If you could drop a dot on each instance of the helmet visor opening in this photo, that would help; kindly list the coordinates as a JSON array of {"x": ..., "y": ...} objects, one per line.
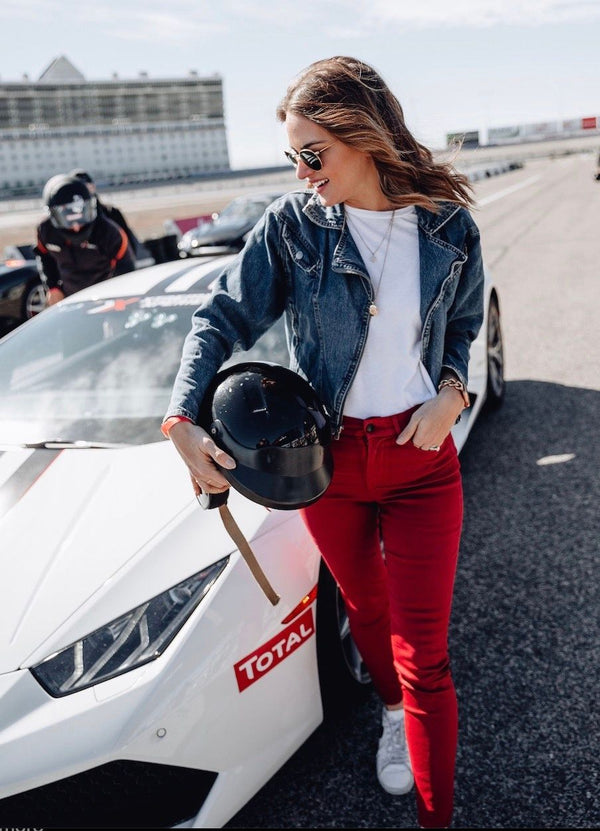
[{"x": 76, "y": 213}]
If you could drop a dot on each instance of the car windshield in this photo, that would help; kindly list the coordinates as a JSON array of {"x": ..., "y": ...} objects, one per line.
[
  {"x": 249, "y": 209},
  {"x": 101, "y": 371}
]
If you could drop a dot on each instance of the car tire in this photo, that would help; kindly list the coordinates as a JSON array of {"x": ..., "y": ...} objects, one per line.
[
  {"x": 34, "y": 300},
  {"x": 496, "y": 385},
  {"x": 343, "y": 676}
]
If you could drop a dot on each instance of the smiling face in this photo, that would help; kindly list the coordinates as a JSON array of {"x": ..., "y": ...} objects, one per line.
[{"x": 347, "y": 175}]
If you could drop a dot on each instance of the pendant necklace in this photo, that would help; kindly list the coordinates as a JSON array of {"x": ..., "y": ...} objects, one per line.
[
  {"x": 373, "y": 310},
  {"x": 373, "y": 251}
]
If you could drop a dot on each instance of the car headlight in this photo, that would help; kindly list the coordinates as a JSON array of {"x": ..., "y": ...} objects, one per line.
[{"x": 127, "y": 642}]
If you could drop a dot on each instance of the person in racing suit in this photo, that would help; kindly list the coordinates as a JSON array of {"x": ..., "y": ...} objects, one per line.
[{"x": 76, "y": 246}]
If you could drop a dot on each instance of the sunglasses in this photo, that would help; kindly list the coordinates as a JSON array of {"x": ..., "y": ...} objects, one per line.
[{"x": 311, "y": 158}]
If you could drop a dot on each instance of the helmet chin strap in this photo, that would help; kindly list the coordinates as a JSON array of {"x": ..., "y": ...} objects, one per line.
[{"x": 219, "y": 500}]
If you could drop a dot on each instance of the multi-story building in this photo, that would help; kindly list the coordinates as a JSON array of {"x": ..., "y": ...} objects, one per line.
[{"x": 122, "y": 131}]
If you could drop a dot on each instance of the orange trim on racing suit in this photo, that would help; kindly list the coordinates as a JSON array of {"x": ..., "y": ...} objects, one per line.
[{"x": 121, "y": 252}]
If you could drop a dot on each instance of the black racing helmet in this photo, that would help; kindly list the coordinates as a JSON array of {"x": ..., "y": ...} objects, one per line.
[
  {"x": 270, "y": 420},
  {"x": 80, "y": 173},
  {"x": 69, "y": 202}
]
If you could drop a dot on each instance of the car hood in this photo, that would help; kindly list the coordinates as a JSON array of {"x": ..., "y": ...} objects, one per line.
[{"x": 88, "y": 534}]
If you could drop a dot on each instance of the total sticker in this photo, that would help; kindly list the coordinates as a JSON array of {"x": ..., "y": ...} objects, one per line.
[{"x": 251, "y": 668}]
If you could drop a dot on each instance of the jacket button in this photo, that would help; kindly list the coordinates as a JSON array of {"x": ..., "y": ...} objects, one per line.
[{"x": 299, "y": 255}]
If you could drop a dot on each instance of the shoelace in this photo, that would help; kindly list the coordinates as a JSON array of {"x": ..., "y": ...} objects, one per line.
[{"x": 392, "y": 745}]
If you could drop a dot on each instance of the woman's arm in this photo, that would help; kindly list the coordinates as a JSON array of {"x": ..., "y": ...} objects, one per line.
[
  {"x": 432, "y": 422},
  {"x": 465, "y": 316},
  {"x": 246, "y": 299}
]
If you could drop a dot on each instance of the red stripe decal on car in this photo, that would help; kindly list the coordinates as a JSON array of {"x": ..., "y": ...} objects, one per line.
[{"x": 273, "y": 652}]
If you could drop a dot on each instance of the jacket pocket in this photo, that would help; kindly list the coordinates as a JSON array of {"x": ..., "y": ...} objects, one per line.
[{"x": 303, "y": 257}]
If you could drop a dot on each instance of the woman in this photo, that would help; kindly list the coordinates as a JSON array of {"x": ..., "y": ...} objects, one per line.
[{"x": 377, "y": 267}]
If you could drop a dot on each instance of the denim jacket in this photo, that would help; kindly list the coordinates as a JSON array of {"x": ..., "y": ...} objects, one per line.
[{"x": 300, "y": 260}]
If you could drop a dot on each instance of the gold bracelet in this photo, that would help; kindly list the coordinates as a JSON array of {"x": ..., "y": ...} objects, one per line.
[{"x": 457, "y": 385}]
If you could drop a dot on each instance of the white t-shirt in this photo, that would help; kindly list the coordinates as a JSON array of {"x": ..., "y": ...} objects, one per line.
[{"x": 391, "y": 377}]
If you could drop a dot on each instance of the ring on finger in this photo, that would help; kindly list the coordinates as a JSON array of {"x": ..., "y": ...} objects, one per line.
[{"x": 435, "y": 447}]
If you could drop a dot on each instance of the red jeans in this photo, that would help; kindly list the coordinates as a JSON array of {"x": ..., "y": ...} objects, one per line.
[{"x": 408, "y": 502}]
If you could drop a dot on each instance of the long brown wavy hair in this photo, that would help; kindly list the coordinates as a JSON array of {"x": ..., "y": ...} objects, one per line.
[{"x": 350, "y": 99}]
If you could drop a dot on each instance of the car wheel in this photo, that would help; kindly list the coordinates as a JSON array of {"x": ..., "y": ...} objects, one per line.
[
  {"x": 343, "y": 675},
  {"x": 495, "y": 357},
  {"x": 34, "y": 300}
]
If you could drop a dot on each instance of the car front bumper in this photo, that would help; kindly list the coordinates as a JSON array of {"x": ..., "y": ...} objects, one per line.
[{"x": 183, "y": 712}]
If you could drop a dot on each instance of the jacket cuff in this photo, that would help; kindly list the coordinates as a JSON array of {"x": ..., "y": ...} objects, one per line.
[{"x": 462, "y": 376}]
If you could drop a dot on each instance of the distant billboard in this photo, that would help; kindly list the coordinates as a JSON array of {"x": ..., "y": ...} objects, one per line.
[
  {"x": 468, "y": 138},
  {"x": 497, "y": 135},
  {"x": 580, "y": 126},
  {"x": 542, "y": 130}
]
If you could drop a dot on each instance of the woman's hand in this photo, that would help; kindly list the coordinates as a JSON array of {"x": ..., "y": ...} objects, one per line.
[
  {"x": 431, "y": 423},
  {"x": 54, "y": 296},
  {"x": 200, "y": 453}
]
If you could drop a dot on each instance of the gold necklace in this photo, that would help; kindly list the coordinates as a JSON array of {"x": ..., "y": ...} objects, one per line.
[
  {"x": 372, "y": 251},
  {"x": 373, "y": 310}
]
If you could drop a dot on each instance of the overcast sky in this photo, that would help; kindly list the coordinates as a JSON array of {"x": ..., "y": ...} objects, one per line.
[{"x": 455, "y": 66}]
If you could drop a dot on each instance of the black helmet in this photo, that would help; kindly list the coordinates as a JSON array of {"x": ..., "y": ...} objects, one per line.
[
  {"x": 271, "y": 422},
  {"x": 69, "y": 202},
  {"x": 79, "y": 173}
]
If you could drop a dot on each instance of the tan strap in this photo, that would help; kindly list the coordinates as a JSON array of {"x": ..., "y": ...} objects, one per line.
[{"x": 240, "y": 540}]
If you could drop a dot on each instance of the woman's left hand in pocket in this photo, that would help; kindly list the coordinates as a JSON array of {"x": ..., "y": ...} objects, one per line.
[{"x": 430, "y": 424}]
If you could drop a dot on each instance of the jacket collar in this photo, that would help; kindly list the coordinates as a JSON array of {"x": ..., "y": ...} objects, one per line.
[{"x": 333, "y": 217}]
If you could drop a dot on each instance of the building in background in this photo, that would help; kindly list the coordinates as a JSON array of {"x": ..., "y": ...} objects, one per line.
[{"x": 124, "y": 131}]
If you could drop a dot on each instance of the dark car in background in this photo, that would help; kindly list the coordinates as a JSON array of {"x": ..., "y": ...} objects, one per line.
[
  {"x": 22, "y": 293},
  {"x": 227, "y": 231}
]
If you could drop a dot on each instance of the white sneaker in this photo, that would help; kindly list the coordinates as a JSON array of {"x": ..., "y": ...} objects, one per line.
[{"x": 393, "y": 763}]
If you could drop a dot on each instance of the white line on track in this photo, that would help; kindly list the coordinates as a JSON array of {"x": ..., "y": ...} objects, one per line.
[{"x": 506, "y": 191}]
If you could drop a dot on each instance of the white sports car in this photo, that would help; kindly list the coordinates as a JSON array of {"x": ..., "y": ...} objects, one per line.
[{"x": 145, "y": 679}]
